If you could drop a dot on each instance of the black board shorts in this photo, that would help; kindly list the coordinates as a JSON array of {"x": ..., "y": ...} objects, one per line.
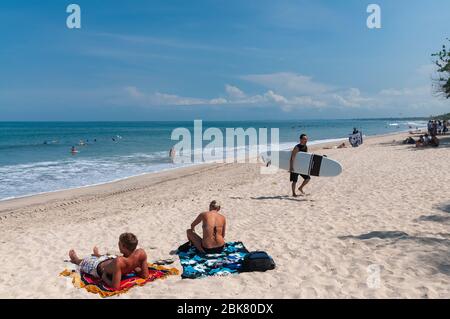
[
  {"x": 216, "y": 250},
  {"x": 294, "y": 177}
]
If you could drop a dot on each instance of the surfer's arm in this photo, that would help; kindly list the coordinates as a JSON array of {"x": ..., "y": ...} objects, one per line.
[{"x": 291, "y": 162}]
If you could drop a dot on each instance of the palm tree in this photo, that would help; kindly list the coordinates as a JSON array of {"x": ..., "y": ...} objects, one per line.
[{"x": 442, "y": 61}]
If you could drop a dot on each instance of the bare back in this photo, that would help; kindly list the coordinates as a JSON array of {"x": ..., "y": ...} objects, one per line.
[
  {"x": 137, "y": 260},
  {"x": 213, "y": 229}
]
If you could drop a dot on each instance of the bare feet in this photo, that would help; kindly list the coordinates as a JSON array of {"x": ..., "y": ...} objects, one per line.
[
  {"x": 73, "y": 257},
  {"x": 303, "y": 193}
]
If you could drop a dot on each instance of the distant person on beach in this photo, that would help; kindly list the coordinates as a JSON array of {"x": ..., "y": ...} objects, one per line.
[
  {"x": 343, "y": 145},
  {"x": 409, "y": 140},
  {"x": 110, "y": 268},
  {"x": 213, "y": 224},
  {"x": 301, "y": 147},
  {"x": 427, "y": 141},
  {"x": 434, "y": 141},
  {"x": 420, "y": 142},
  {"x": 172, "y": 154},
  {"x": 434, "y": 130}
]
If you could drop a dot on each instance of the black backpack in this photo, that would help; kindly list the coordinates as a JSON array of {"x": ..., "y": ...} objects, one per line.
[{"x": 257, "y": 261}]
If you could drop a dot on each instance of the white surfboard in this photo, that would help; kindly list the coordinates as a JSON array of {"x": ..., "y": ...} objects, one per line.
[{"x": 305, "y": 163}]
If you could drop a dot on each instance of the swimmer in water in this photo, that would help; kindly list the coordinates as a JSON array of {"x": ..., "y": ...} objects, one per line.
[
  {"x": 74, "y": 150},
  {"x": 172, "y": 153}
]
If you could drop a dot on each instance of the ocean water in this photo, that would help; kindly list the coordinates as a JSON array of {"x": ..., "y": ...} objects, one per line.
[{"x": 35, "y": 157}]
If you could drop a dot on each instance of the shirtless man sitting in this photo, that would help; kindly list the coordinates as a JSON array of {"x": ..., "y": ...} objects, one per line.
[
  {"x": 213, "y": 225},
  {"x": 111, "y": 268}
]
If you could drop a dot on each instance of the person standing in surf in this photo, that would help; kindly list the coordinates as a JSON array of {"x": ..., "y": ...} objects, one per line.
[
  {"x": 172, "y": 154},
  {"x": 301, "y": 147}
]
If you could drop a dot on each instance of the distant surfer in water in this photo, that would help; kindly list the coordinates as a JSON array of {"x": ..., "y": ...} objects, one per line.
[
  {"x": 172, "y": 154},
  {"x": 74, "y": 150},
  {"x": 301, "y": 147}
]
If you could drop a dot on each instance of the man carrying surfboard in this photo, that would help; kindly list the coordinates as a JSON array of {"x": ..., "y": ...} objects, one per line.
[{"x": 301, "y": 147}]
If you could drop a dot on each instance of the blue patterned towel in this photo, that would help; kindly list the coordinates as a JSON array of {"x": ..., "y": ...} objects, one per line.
[{"x": 229, "y": 261}]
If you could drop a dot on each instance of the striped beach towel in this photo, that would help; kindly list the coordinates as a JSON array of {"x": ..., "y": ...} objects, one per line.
[{"x": 97, "y": 286}]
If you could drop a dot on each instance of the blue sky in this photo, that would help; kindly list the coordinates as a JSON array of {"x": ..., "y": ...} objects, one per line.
[{"x": 181, "y": 60}]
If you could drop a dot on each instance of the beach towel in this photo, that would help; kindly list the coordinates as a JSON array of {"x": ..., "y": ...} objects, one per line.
[
  {"x": 356, "y": 139},
  {"x": 229, "y": 261},
  {"x": 97, "y": 286}
]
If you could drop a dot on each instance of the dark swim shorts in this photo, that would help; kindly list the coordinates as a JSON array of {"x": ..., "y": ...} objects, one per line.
[
  {"x": 294, "y": 177},
  {"x": 216, "y": 250}
]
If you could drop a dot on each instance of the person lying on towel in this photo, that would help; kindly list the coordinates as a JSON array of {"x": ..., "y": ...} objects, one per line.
[
  {"x": 110, "y": 268},
  {"x": 213, "y": 225}
]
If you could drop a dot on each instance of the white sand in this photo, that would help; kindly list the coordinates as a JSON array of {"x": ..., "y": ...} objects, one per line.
[{"x": 385, "y": 188}]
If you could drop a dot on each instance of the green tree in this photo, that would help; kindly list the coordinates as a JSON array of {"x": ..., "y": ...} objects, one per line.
[{"x": 442, "y": 61}]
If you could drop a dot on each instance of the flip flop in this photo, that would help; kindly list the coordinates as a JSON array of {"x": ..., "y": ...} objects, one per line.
[{"x": 167, "y": 261}]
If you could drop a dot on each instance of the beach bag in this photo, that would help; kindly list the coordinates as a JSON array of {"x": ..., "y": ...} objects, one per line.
[
  {"x": 185, "y": 247},
  {"x": 257, "y": 261}
]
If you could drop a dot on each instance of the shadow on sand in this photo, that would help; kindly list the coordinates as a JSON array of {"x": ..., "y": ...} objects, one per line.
[
  {"x": 378, "y": 234},
  {"x": 445, "y": 207},
  {"x": 440, "y": 258},
  {"x": 398, "y": 236},
  {"x": 392, "y": 143},
  {"x": 281, "y": 197},
  {"x": 434, "y": 218}
]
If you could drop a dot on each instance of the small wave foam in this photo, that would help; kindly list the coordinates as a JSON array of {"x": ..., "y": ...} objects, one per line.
[{"x": 49, "y": 176}]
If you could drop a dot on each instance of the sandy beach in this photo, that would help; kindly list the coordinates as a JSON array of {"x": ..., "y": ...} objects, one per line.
[{"x": 389, "y": 211}]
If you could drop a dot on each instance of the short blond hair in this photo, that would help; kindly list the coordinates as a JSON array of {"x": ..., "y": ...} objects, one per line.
[{"x": 214, "y": 205}]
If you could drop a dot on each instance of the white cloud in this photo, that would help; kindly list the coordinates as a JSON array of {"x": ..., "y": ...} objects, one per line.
[
  {"x": 134, "y": 92},
  {"x": 288, "y": 83},
  {"x": 237, "y": 98},
  {"x": 302, "y": 92},
  {"x": 352, "y": 98},
  {"x": 423, "y": 90},
  {"x": 308, "y": 101},
  {"x": 172, "y": 99},
  {"x": 219, "y": 100},
  {"x": 273, "y": 97},
  {"x": 420, "y": 97},
  {"x": 158, "y": 99},
  {"x": 234, "y": 92}
]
